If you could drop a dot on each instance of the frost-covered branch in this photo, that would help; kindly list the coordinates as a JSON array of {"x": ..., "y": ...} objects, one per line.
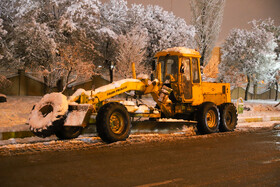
[
  {"x": 132, "y": 48},
  {"x": 207, "y": 17}
]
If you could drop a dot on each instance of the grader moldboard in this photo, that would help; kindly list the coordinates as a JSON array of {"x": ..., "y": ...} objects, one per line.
[{"x": 176, "y": 88}]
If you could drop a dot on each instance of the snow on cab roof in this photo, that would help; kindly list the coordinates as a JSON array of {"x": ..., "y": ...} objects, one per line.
[{"x": 181, "y": 51}]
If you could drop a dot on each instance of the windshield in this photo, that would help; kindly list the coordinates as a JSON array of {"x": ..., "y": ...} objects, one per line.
[{"x": 169, "y": 66}]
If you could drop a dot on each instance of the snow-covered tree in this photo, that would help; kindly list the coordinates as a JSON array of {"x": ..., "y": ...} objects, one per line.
[
  {"x": 49, "y": 27},
  {"x": 105, "y": 50},
  {"x": 35, "y": 42},
  {"x": 85, "y": 15},
  {"x": 114, "y": 16},
  {"x": 270, "y": 26},
  {"x": 165, "y": 30},
  {"x": 113, "y": 22},
  {"x": 41, "y": 33},
  {"x": 3, "y": 32},
  {"x": 74, "y": 64},
  {"x": 7, "y": 34},
  {"x": 131, "y": 48},
  {"x": 207, "y": 17},
  {"x": 250, "y": 54},
  {"x": 35, "y": 45}
]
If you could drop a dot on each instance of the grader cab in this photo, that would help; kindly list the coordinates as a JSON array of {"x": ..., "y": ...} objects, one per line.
[{"x": 176, "y": 88}]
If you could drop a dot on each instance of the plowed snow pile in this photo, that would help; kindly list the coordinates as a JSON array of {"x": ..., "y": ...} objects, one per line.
[{"x": 260, "y": 108}]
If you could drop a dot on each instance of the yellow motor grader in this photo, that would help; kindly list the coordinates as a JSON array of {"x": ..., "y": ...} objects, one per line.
[{"x": 176, "y": 87}]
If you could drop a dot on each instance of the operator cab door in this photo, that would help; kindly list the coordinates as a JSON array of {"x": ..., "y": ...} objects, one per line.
[
  {"x": 195, "y": 71},
  {"x": 190, "y": 76},
  {"x": 186, "y": 77}
]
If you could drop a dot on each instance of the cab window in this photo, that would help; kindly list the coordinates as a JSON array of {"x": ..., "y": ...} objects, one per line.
[
  {"x": 195, "y": 71},
  {"x": 186, "y": 69},
  {"x": 169, "y": 66}
]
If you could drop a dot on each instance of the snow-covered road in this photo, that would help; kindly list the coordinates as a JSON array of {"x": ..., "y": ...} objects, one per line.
[
  {"x": 240, "y": 158},
  {"x": 33, "y": 145}
]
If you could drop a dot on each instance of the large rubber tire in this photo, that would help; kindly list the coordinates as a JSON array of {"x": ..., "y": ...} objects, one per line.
[
  {"x": 68, "y": 132},
  {"x": 208, "y": 118},
  {"x": 113, "y": 122},
  {"x": 48, "y": 115},
  {"x": 228, "y": 120}
]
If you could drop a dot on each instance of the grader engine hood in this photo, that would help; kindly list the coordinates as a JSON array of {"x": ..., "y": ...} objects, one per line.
[{"x": 108, "y": 91}]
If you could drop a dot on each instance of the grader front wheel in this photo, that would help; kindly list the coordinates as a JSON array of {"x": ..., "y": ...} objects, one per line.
[
  {"x": 48, "y": 115},
  {"x": 68, "y": 132},
  {"x": 113, "y": 122},
  {"x": 208, "y": 118}
]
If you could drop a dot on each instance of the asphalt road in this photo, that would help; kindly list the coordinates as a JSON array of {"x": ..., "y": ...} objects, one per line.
[{"x": 236, "y": 159}]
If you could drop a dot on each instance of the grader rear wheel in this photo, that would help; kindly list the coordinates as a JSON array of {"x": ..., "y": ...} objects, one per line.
[
  {"x": 228, "y": 117},
  {"x": 113, "y": 122},
  {"x": 208, "y": 118}
]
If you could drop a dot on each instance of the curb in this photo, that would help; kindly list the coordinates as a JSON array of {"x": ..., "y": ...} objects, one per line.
[{"x": 258, "y": 119}]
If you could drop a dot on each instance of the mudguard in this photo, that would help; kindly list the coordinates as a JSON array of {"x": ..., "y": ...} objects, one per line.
[{"x": 78, "y": 115}]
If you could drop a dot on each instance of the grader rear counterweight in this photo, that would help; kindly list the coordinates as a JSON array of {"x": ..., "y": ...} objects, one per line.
[{"x": 177, "y": 90}]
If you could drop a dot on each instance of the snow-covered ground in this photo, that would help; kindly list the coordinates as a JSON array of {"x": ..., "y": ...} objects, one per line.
[
  {"x": 260, "y": 108},
  {"x": 16, "y": 110}
]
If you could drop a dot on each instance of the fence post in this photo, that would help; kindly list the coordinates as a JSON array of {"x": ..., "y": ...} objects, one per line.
[{"x": 21, "y": 82}]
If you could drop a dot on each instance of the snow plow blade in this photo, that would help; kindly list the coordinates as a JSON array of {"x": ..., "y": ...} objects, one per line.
[{"x": 78, "y": 115}]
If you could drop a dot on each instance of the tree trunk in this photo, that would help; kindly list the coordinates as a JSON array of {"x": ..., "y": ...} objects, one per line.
[
  {"x": 111, "y": 74},
  {"x": 59, "y": 84},
  {"x": 46, "y": 87},
  {"x": 255, "y": 90},
  {"x": 247, "y": 88},
  {"x": 202, "y": 58},
  {"x": 276, "y": 90}
]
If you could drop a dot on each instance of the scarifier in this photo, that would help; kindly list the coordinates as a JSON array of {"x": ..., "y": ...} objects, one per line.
[{"x": 175, "y": 86}]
